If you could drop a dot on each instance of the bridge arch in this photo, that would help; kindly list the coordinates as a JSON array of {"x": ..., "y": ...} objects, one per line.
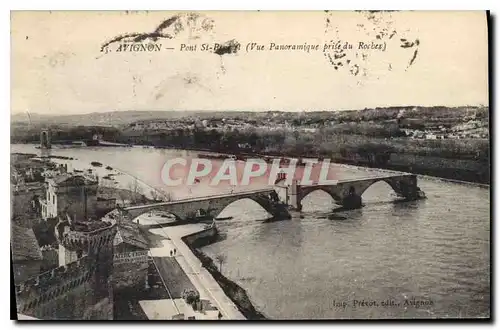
[
  {"x": 329, "y": 192},
  {"x": 187, "y": 209},
  {"x": 134, "y": 217},
  {"x": 256, "y": 201},
  {"x": 334, "y": 198},
  {"x": 392, "y": 183},
  {"x": 349, "y": 192}
]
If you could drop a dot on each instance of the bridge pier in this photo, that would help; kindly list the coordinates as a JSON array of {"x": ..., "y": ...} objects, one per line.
[
  {"x": 352, "y": 200},
  {"x": 409, "y": 190},
  {"x": 294, "y": 199},
  {"x": 348, "y": 192},
  {"x": 282, "y": 197}
]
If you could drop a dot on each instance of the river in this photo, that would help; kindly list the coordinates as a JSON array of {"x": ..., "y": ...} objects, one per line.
[{"x": 435, "y": 250}]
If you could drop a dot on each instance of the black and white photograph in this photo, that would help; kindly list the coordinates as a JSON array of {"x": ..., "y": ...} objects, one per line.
[{"x": 250, "y": 165}]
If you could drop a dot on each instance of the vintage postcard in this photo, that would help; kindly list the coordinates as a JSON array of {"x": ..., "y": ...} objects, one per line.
[{"x": 304, "y": 165}]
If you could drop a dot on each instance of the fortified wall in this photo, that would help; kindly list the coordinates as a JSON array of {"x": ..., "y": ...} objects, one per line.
[
  {"x": 57, "y": 293},
  {"x": 129, "y": 269},
  {"x": 80, "y": 289}
]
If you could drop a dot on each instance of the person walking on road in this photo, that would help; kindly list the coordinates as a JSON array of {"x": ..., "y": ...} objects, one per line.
[{"x": 219, "y": 316}]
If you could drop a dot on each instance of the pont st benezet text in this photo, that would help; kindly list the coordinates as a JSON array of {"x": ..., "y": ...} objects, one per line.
[{"x": 304, "y": 47}]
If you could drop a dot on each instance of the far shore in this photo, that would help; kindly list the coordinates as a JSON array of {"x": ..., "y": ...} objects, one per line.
[
  {"x": 344, "y": 162},
  {"x": 455, "y": 174}
]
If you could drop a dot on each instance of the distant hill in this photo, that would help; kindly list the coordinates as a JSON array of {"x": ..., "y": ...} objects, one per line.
[
  {"x": 123, "y": 118},
  {"x": 117, "y": 118},
  {"x": 113, "y": 118}
]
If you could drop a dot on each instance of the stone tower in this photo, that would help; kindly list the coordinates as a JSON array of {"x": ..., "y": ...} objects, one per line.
[
  {"x": 81, "y": 289},
  {"x": 45, "y": 139}
]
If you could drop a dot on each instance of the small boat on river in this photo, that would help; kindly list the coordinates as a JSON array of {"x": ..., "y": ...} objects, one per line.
[
  {"x": 223, "y": 218},
  {"x": 213, "y": 156},
  {"x": 201, "y": 216}
]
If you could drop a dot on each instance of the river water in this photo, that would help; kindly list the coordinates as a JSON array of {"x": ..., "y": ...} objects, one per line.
[{"x": 314, "y": 266}]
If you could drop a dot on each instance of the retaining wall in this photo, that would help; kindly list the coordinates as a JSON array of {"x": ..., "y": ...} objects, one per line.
[
  {"x": 209, "y": 233},
  {"x": 129, "y": 269}
]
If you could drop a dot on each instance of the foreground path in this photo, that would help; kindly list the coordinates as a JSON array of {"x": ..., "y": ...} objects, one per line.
[{"x": 201, "y": 279}]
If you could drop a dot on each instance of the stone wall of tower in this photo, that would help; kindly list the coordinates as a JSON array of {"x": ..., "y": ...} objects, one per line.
[
  {"x": 45, "y": 139},
  {"x": 66, "y": 256},
  {"x": 78, "y": 290},
  {"x": 76, "y": 303},
  {"x": 103, "y": 280},
  {"x": 56, "y": 293},
  {"x": 129, "y": 269}
]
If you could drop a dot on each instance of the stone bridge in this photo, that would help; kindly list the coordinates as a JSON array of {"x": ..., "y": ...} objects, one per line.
[
  {"x": 348, "y": 192},
  {"x": 187, "y": 209},
  {"x": 278, "y": 199}
]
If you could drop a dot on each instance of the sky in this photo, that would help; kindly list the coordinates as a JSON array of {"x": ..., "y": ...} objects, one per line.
[{"x": 429, "y": 58}]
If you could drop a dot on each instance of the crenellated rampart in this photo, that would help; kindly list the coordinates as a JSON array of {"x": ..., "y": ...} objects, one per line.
[
  {"x": 130, "y": 257},
  {"x": 52, "y": 284},
  {"x": 61, "y": 289},
  {"x": 130, "y": 269},
  {"x": 91, "y": 240}
]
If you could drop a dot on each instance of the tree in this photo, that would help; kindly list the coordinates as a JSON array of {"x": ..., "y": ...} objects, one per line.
[
  {"x": 155, "y": 195},
  {"x": 167, "y": 197},
  {"x": 163, "y": 195},
  {"x": 138, "y": 188},
  {"x": 221, "y": 258},
  {"x": 190, "y": 296},
  {"x": 135, "y": 190},
  {"x": 132, "y": 186},
  {"x": 106, "y": 182}
]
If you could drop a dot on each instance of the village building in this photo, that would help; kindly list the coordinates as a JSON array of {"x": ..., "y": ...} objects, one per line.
[{"x": 75, "y": 195}]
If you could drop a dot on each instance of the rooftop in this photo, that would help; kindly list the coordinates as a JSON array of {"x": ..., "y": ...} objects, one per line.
[
  {"x": 68, "y": 179},
  {"x": 129, "y": 233}
]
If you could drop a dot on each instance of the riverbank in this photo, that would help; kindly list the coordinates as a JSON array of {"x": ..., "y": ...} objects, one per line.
[
  {"x": 113, "y": 182},
  {"x": 210, "y": 291},
  {"x": 236, "y": 293},
  {"x": 429, "y": 167},
  {"x": 420, "y": 176},
  {"x": 452, "y": 169},
  {"x": 455, "y": 170}
]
